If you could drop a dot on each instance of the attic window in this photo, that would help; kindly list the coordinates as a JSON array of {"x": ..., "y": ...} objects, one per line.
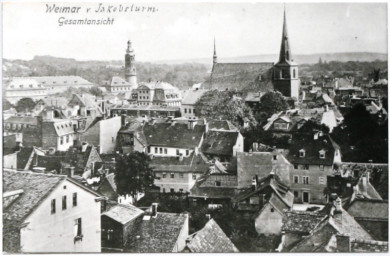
[
  {"x": 302, "y": 153},
  {"x": 322, "y": 154},
  {"x": 65, "y": 82},
  {"x": 217, "y": 183},
  {"x": 272, "y": 209}
]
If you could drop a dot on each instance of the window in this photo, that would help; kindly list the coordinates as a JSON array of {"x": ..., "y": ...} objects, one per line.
[
  {"x": 321, "y": 180},
  {"x": 67, "y": 138},
  {"x": 306, "y": 167},
  {"x": 187, "y": 152},
  {"x": 161, "y": 150},
  {"x": 295, "y": 166},
  {"x": 302, "y": 153},
  {"x": 217, "y": 183},
  {"x": 74, "y": 199},
  {"x": 177, "y": 152},
  {"x": 272, "y": 209},
  {"x": 163, "y": 190},
  {"x": 172, "y": 190},
  {"x": 181, "y": 175},
  {"x": 305, "y": 179},
  {"x": 189, "y": 110},
  {"x": 164, "y": 175},
  {"x": 165, "y": 151},
  {"x": 194, "y": 176},
  {"x": 321, "y": 167},
  {"x": 61, "y": 140},
  {"x": 275, "y": 157},
  {"x": 64, "y": 203},
  {"x": 185, "y": 111},
  {"x": 296, "y": 194},
  {"x": 53, "y": 206},
  {"x": 155, "y": 150},
  {"x": 296, "y": 179},
  {"x": 294, "y": 73},
  {"x": 172, "y": 175},
  {"x": 78, "y": 229},
  {"x": 322, "y": 154}
]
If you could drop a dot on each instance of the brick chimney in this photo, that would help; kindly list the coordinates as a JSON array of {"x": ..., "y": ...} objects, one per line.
[{"x": 154, "y": 210}]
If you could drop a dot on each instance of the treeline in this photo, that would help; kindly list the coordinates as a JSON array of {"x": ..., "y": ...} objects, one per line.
[{"x": 180, "y": 75}]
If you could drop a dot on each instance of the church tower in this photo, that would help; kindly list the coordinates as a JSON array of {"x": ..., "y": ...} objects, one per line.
[
  {"x": 130, "y": 72},
  {"x": 286, "y": 79},
  {"x": 215, "y": 58}
]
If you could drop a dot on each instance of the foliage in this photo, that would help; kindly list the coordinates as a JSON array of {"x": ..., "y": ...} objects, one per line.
[
  {"x": 25, "y": 104},
  {"x": 224, "y": 105},
  {"x": 94, "y": 90},
  {"x": 361, "y": 139},
  {"x": 133, "y": 174},
  {"x": 6, "y": 104},
  {"x": 167, "y": 202},
  {"x": 270, "y": 103},
  {"x": 257, "y": 134}
]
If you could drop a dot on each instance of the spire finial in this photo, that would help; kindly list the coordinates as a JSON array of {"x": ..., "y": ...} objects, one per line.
[
  {"x": 215, "y": 50},
  {"x": 285, "y": 53},
  {"x": 215, "y": 53}
]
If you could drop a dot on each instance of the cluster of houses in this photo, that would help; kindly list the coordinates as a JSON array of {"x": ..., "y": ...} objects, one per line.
[{"x": 59, "y": 189}]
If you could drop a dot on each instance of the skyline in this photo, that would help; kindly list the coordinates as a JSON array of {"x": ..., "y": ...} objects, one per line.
[{"x": 240, "y": 29}]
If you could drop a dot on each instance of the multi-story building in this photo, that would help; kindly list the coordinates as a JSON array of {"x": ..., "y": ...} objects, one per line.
[
  {"x": 158, "y": 94},
  {"x": 118, "y": 85},
  {"x": 49, "y": 214},
  {"x": 190, "y": 97},
  {"x": 26, "y": 87},
  {"x": 27, "y": 129}
]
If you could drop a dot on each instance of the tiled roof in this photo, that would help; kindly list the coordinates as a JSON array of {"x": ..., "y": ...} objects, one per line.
[
  {"x": 192, "y": 163},
  {"x": 238, "y": 75},
  {"x": 159, "y": 234},
  {"x": 219, "y": 143},
  {"x": 23, "y": 83},
  {"x": 32, "y": 120},
  {"x": 61, "y": 80},
  {"x": 369, "y": 209},
  {"x": 359, "y": 245},
  {"x": 252, "y": 164},
  {"x": 301, "y": 222},
  {"x": 190, "y": 97},
  {"x": 54, "y": 101},
  {"x": 36, "y": 187},
  {"x": 253, "y": 96},
  {"x": 173, "y": 135},
  {"x": 23, "y": 156},
  {"x": 311, "y": 148},
  {"x": 213, "y": 192},
  {"x": 63, "y": 127},
  {"x": 211, "y": 239},
  {"x": 123, "y": 213},
  {"x": 117, "y": 81},
  {"x": 221, "y": 125}
]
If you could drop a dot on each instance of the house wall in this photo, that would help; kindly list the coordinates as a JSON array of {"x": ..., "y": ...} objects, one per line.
[
  {"x": 109, "y": 129},
  {"x": 170, "y": 151},
  {"x": 239, "y": 146},
  {"x": 91, "y": 136},
  {"x": 49, "y": 136},
  {"x": 226, "y": 181},
  {"x": 267, "y": 222},
  {"x": 187, "y": 110},
  {"x": 10, "y": 161},
  {"x": 116, "y": 237},
  {"x": 379, "y": 230},
  {"x": 106, "y": 190},
  {"x": 65, "y": 145},
  {"x": 315, "y": 189},
  {"x": 181, "y": 240},
  {"x": 282, "y": 167},
  {"x": 48, "y": 232},
  {"x": 185, "y": 182}
]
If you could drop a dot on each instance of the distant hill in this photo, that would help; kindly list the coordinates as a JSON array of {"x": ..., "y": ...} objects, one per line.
[{"x": 299, "y": 58}]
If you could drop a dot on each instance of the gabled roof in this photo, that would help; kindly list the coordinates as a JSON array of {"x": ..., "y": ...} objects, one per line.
[
  {"x": 369, "y": 209},
  {"x": 63, "y": 127},
  {"x": 192, "y": 163},
  {"x": 301, "y": 222},
  {"x": 190, "y": 97},
  {"x": 159, "y": 234},
  {"x": 221, "y": 125},
  {"x": 173, "y": 135},
  {"x": 219, "y": 143},
  {"x": 110, "y": 179},
  {"x": 123, "y": 213},
  {"x": 211, "y": 239},
  {"x": 251, "y": 164},
  {"x": 55, "y": 101},
  {"x": 23, "y": 157},
  {"x": 117, "y": 81},
  {"x": 31, "y": 120},
  {"x": 60, "y": 80}
]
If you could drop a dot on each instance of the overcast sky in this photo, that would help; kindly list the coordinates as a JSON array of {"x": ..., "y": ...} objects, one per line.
[{"x": 186, "y": 30}]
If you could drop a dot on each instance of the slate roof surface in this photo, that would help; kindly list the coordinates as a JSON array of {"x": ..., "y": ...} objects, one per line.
[
  {"x": 31, "y": 120},
  {"x": 312, "y": 148},
  {"x": 219, "y": 143},
  {"x": 192, "y": 163},
  {"x": 23, "y": 157},
  {"x": 221, "y": 125},
  {"x": 117, "y": 81},
  {"x": 54, "y": 101},
  {"x": 123, "y": 213},
  {"x": 159, "y": 234},
  {"x": 301, "y": 222},
  {"x": 213, "y": 192},
  {"x": 63, "y": 127},
  {"x": 176, "y": 136},
  {"x": 359, "y": 245},
  {"x": 211, "y": 239},
  {"x": 251, "y": 164},
  {"x": 61, "y": 80}
]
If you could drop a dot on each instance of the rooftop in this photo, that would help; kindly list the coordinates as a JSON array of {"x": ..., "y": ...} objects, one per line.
[{"x": 123, "y": 213}]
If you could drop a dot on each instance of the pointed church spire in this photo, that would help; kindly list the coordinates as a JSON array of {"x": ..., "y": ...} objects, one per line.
[
  {"x": 285, "y": 52},
  {"x": 215, "y": 53}
]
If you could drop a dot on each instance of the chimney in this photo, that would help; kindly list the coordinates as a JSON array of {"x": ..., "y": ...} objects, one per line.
[
  {"x": 343, "y": 243},
  {"x": 255, "y": 179},
  {"x": 52, "y": 151},
  {"x": 70, "y": 171},
  {"x": 181, "y": 157},
  {"x": 338, "y": 205},
  {"x": 191, "y": 124},
  {"x": 123, "y": 120},
  {"x": 255, "y": 146},
  {"x": 154, "y": 210},
  {"x": 365, "y": 181},
  {"x": 84, "y": 146}
]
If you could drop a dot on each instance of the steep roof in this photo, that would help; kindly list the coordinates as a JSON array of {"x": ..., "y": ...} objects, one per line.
[
  {"x": 219, "y": 143},
  {"x": 190, "y": 97},
  {"x": 369, "y": 209},
  {"x": 211, "y": 239},
  {"x": 117, "y": 81},
  {"x": 192, "y": 163},
  {"x": 31, "y": 120},
  {"x": 252, "y": 164},
  {"x": 221, "y": 125},
  {"x": 173, "y": 135},
  {"x": 159, "y": 234},
  {"x": 23, "y": 156},
  {"x": 54, "y": 101},
  {"x": 301, "y": 222},
  {"x": 123, "y": 213}
]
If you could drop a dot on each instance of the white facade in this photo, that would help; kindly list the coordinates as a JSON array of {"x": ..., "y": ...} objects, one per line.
[
  {"x": 169, "y": 151},
  {"x": 57, "y": 232}
]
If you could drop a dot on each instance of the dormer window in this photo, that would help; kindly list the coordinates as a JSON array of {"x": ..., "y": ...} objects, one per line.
[
  {"x": 322, "y": 154},
  {"x": 302, "y": 153}
]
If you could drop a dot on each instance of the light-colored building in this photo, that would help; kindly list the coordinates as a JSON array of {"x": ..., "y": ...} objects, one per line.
[
  {"x": 49, "y": 214},
  {"x": 190, "y": 97},
  {"x": 158, "y": 94},
  {"x": 24, "y": 87},
  {"x": 118, "y": 85}
]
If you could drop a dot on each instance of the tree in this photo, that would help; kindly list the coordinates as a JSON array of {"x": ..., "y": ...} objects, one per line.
[
  {"x": 270, "y": 103},
  {"x": 25, "y": 104},
  {"x": 6, "y": 104},
  {"x": 133, "y": 174},
  {"x": 224, "y": 105},
  {"x": 94, "y": 90}
]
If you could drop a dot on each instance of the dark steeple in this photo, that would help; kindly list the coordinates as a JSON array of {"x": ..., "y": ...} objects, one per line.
[{"x": 285, "y": 52}]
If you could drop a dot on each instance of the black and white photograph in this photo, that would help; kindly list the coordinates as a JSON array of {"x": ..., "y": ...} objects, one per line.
[{"x": 194, "y": 127}]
